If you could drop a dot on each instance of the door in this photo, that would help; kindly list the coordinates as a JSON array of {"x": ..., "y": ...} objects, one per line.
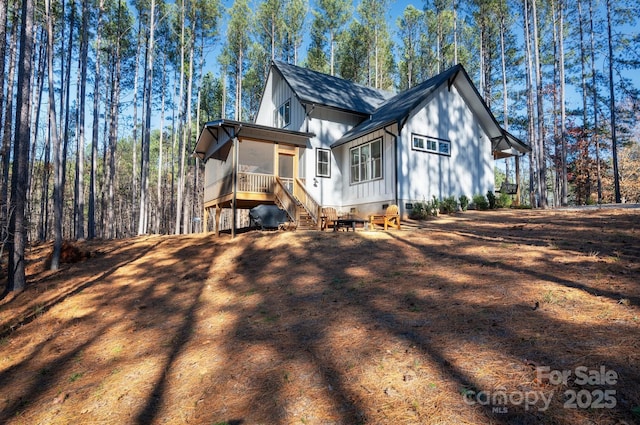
[{"x": 285, "y": 170}]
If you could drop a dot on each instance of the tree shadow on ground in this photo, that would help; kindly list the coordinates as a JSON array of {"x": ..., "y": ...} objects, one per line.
[
  {"x": 363, "y": 284},
  {"x": 341, "y": 328}
]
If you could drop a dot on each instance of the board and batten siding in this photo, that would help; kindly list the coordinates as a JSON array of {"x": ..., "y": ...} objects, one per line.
[
  {"x": 277, "y": 92},
  {"x": 328, "y": 125},
  {"x": 370, "y": 196},
  {"x": 469, "y": 168}
]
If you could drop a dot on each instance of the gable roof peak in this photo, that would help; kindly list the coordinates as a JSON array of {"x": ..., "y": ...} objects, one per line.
[{"x": 313, "y": 87}]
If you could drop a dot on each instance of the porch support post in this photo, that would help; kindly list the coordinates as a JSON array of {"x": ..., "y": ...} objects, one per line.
[
  {"x": 217, "y": 220},
  {"x": 205, "y": 220},
  {"x": 234, "y": 201},
  {"x": 516, "y": 202}
]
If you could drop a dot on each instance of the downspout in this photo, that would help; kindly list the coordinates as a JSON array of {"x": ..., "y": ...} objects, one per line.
[{"x": 396, "y": 163}]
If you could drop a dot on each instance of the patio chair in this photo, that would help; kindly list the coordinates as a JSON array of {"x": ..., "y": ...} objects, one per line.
[
  {"x": 329, "y": 217},
  {"x": 390, "y": 218}
]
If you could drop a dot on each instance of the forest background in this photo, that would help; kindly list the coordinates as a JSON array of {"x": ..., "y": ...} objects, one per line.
[{"x": 102, "y": 101}]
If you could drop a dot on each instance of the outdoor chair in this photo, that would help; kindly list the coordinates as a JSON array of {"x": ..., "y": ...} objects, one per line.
[
  {"x": 329, "y": 217},
  {"x": 390, "y": 218}
]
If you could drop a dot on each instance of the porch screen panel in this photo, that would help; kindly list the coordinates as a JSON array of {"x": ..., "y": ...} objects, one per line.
[{"x": 255, "y": 157}]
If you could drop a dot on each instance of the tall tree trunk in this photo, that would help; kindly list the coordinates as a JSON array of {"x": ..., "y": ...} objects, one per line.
[
  {"x": 44, "y": 196},
  {"x": 63, "y": 39},
  {"x": 188, "y": 129},
  {"x": 17, "y": 226},
  {"x": 533, "y": 187},
  {"x": 84, "y": 53},
  {"x": 505, "y": 100},
  {"x": 146, "y": 143},
  {"x": 134, "y": 142},
  {"x": 585, "y": 95},
  {"x": 455, "y": 32},
  {"x": 239, "y": 73},
  {"x": 542, "y": 163},
  {"x": 595, "y": 102},
  {"x": 557, "y": 180},
  {"x": 160, "y": 201},
  {"x": 65, "y": 129},
  {"x": 182, "y": 123},
  {"x": 174, "y": 141},
  {"x": 57, "y": 147},
  {"x": 332, "y": 48},
  {"x": 3, "y": 53},
  {"x": 612, "y": 105},
  {"x": 563, "y": 114},
  {"x": 113, "y": 133},
  {"x": 7, "y": 132},
  {"x": 91, "y": 219}
]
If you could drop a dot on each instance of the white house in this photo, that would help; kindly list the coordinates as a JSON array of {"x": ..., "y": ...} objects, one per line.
[{"x": 322, "y": 141}]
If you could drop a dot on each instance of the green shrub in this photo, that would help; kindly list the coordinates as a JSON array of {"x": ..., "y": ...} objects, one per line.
[
  {"x": 449, "y": 205},
  {"x": 504, "y": 201},
  {"x": 480, "y": 202},
  {"x": 491, "y": 197},
  {"x": 464, "y": 202},
  {"x": 419, "y": 211},
  {"x": 423, "y": 210},
  {"x": 435, "y": 205}
]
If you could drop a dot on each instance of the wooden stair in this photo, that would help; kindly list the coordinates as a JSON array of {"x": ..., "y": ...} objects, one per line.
[
  {"x": 298, "y": 214},
  {"x": 305, "y": 221}
]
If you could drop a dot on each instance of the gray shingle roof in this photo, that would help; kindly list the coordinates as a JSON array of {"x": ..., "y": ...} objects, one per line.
[
  {"x": 399, "y": 106},
  {"x": 313, "y": 87}
]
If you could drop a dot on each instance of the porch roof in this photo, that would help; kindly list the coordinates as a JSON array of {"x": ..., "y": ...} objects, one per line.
[{"x": 216, "y": 137}]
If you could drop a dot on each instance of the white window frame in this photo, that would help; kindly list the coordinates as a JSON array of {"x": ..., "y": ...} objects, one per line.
[
  {"x": 319, "y": 162},
  {"x": 282, "y": 115},
  {"x": 364, "y": 167},
  {"x": 430, "y": 144}
]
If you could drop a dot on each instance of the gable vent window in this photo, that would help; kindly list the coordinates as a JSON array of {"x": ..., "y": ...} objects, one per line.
[
  {"x": 431, "y": 144},
  {"x": 323, "y": 163},
  {"x": 283, "y": 115},
  {"x": 366, "y": 162}
]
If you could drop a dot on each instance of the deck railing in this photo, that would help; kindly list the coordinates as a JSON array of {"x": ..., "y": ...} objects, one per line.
[
  {"x": 255, "y": 182},
  {"x": 310, "y": 204},
  {"x": 289, "y": 192},
  {"x": 284, "y": 197}
]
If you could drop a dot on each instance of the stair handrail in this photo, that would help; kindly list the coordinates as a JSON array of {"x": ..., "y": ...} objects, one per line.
[
  {"x": 286, "y": 199},
  {"x": 308, "y": 202}
]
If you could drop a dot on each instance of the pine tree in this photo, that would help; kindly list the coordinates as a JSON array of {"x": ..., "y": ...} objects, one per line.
[
  {"x": 410, "y": 29},
  {"x": 333, "y": 15},
  {"x": 16, "y": 280}
]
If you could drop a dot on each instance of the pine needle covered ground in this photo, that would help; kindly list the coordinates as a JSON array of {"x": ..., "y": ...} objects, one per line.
[{"x": 465, "y": 319}]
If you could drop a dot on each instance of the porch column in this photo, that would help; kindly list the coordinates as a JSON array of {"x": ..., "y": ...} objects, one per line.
[
  {"x": 205, "y": 217},
  {"x": 234, "y": 201},
  {"x": 516, "y": 202},
  {"x": 217, "y": 220}
]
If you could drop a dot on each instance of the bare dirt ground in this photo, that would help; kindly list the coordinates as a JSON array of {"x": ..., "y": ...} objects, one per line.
[{"x": 464, "y": 319}]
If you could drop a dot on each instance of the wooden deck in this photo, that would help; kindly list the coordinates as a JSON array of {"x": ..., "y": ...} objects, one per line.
[{"x": 255, "y": 189}]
